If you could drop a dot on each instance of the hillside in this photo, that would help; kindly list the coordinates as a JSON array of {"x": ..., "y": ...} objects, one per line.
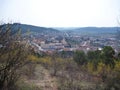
[
  {"x": 79, "y": 30},
  {"x": 25, "y": 28},
  {"x": 92, "y": 30}
]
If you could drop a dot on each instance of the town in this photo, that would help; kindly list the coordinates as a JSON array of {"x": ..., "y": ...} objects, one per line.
[{"x": 57, "y": 42}]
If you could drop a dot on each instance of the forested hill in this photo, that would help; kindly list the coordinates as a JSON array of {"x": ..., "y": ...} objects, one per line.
[
  {"x": 93, "y": 30},
  {"x": 25, "y": 28},
  {"x": 37, "y": 29}
]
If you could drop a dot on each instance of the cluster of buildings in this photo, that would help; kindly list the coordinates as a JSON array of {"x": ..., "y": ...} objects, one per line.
[{"x": 50, "y": 44}]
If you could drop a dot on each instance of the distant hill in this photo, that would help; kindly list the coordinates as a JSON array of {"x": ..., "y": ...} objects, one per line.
[
  {"x": 92, "y": 30},
  {"x": 57, "y": 31},
  {"x": 25, "y": 28}
]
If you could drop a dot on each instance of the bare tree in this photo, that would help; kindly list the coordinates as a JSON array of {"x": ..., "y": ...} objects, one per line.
[{"x": 13, "y": 55}]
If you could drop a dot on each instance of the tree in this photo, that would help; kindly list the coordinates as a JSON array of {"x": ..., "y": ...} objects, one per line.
[
  {"x": 108, "y": 56},
  {"x": 80, "y": 58},
  {"x": 94, "y": 58},
  {"x": 13, "y": 55},
  {"x": 56, "y": 63},
  {"x": 118, "y": 56}
]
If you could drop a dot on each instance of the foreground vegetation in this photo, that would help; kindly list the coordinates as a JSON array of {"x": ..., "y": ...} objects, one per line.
[
  {"x": 23, "y": 69},
  {"x": 92, "y": 71}
]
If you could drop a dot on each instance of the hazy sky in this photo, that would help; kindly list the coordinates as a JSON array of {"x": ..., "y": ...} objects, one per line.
[{"x": 61, "y": 13}]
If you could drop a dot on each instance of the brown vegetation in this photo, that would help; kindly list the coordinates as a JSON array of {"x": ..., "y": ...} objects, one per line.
[{"x": 95, "y": 70}]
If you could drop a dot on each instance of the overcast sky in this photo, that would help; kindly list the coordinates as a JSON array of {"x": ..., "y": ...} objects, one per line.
[{"x": 61, "y": 13}]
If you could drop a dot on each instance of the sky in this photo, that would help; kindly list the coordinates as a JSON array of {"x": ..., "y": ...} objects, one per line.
[{"x": 61, "y": 13}]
